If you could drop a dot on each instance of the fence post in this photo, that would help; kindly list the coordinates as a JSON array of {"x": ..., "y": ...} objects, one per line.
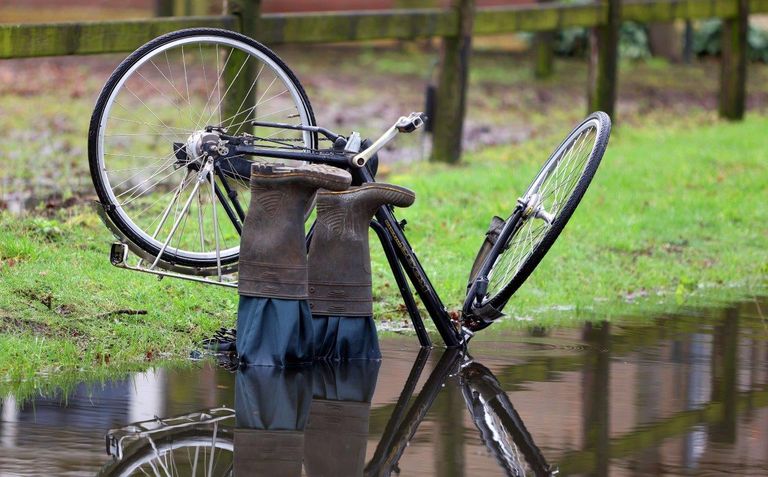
[
  {"x": 733, "y": 65},
  {"x": 189, "y": 8},
  {"x": 543, "y": 52},
  {"x": 163, "y": 8},
  {"x": 451, "y": 93},
  {"x": 239, "y": 103},
  {"x": 603, "y": 61}
]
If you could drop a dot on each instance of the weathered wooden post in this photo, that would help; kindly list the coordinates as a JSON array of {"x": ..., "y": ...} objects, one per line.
[
  {"x": 242, "y": 94},
  {"x": 604, "y": 61},
  {"x": 191, "y": 7},
  {"x": 543, "y": 52},
  {"x": 163, "y": 8},
  {"x": 733, "y": 65},
  {"x": 452, "y": 83}
]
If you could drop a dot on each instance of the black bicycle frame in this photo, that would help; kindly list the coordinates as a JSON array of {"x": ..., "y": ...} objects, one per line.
[{"x": 399, "y": 253}]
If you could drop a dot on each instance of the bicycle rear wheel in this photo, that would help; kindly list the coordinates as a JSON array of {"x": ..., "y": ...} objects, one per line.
[
  {"x": 167, "y": 198},
  {"x": 539, "y": 217}
]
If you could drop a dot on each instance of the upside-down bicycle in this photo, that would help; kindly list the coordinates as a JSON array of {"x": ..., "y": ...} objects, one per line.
[
  {"x": 180, "y": 121},
  {"x": 201, "y": 443}
]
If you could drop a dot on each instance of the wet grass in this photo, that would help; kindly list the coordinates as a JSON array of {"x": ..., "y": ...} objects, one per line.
[
  {"x": 63, "y": 307},
  {"x": 673, "y": 212}
]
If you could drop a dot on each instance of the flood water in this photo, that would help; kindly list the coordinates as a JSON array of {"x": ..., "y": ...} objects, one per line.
[{"x": 682, "y": 394}]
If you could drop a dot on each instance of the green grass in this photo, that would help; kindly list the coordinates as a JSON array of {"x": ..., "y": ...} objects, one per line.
[
  {"x": 673, "y": 210},
  {"x": 63, "y": 307}
]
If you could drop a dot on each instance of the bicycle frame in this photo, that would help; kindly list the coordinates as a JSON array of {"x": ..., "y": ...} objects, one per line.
[{"x": 402, "y": 259}]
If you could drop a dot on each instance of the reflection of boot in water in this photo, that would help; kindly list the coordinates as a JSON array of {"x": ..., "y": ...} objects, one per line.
[
  {"x": 272, "y": 407},
  {"x": 274, "y": 326},
  {"x": 337, "y": 431},
  {"x": 340, "y": 270}
]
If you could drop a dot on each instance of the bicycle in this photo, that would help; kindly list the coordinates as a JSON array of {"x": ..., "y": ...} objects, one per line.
[
  {"x": 176, "y": 128},
  {"x": 202, "y": 442}
]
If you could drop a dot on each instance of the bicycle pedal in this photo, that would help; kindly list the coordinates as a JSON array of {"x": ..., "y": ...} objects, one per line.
[{"x": 118, "y": 254}]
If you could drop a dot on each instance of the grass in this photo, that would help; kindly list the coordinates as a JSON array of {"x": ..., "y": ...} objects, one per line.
[
  {"x": 673, "y": 209},
  {"x": 64, "y": 308}
]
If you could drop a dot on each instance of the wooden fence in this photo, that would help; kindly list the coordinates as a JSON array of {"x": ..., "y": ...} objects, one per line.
[{"x": 455, "y": 25}]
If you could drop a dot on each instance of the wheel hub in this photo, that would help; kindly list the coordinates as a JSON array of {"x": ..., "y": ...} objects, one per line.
[
  {"x": 202, "y": 144},
  {"x": 535, "y": 208}
]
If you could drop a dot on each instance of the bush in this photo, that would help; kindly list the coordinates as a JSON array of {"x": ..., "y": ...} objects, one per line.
[
  {"x": 633, "y": 41},
  {"x": 707, "y": 41}
]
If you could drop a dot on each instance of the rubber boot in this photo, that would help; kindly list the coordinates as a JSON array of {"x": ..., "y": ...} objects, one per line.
[
  {"x": 274, "y": 325},
  {"x": 340, "y": 291}
]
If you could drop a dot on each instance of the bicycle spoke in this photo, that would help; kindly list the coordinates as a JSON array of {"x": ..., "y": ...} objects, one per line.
[
  {"x": 170, "y": 205},
  {"x": 198, "y": 124},
  {"x": 176, "y": 224},
  {"x": 221, "y": 97},
  {"x": 144, "y": 123},
  {"x": 215, "y": 226},
  {"x": 186, "y": 83},
  {"x": 245, "y": 98}
]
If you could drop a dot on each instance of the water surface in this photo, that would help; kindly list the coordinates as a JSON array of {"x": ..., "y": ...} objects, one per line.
[{"x": 683, "y": 394}]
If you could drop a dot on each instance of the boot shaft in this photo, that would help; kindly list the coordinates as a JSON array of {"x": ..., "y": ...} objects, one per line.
[
  {"x": 339, "y": 256},
  {"x": 273, "y": 260}
]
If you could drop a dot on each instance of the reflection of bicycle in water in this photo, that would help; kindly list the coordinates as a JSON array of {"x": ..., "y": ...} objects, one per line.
[
  {"x": 191, "y": 444},
  {"x": 199, "y": 443},
  {"x": 501, "y": 428}
]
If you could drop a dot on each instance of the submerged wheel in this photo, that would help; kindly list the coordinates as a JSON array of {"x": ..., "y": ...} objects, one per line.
[
  {"x": 541, "y": 213},
  {"x": 159, "y": 106}
]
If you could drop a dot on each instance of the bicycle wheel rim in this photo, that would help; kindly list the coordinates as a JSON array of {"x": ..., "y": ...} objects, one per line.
[
  {"x": 533, "y": 237},
  {"x": 149, "y": 231},
  {"x": 195, "y": 453}
]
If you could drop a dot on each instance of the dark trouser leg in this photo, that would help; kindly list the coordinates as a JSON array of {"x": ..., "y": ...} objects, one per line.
[
  {"x": 337, "y": 432},
  {"x": 272, "y": 408}
]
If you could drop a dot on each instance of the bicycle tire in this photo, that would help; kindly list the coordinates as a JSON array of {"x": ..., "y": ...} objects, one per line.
[
  {"x": 137, "y": 231},
  {"x": 504, "y": 277},
  {"x": 502, "y": 429}
]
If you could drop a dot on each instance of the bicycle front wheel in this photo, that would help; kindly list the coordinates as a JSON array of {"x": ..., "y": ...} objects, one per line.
[
  {"x": 170, "y": 201},
  {"x": 540, "y": 216}
]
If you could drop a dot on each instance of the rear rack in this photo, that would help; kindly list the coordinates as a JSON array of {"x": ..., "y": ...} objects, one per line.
[{"x": 118, "y": 439}]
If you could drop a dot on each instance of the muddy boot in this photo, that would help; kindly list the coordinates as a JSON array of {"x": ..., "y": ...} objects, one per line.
[
  {"x": 340, "y": 270},
  {"x": 274, "y": 325}
]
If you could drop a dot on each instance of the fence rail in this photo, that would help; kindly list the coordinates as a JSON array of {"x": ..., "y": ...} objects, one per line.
[{"x": 459, "y": 22}]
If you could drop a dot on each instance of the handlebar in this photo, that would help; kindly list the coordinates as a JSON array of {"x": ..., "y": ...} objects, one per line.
[{"x": 406, "y": 124}]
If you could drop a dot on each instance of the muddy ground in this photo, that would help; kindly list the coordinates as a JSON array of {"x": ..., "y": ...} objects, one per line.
[{"x": 45, "y": 105}]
